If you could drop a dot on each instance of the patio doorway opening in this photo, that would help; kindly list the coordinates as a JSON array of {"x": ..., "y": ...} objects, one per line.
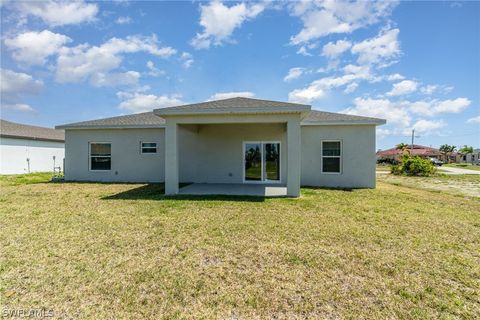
[{"x": 261, "y": 162}]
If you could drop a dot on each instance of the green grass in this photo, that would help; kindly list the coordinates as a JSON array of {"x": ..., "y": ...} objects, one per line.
[
  {"x": 97, "y": 251},
  {"x": 383, "y": 167},
  {"x": 463, "y": 166},
  {"x": 19, "y": 179}
]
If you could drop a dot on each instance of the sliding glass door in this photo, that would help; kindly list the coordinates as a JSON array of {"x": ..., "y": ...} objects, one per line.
[
  {"x": 262, "y": 161},
  {"x": 253, "y": 162}
]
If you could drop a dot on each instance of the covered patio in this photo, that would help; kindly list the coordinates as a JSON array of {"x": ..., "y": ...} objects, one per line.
[
  {"x": 234, "y": 189},
  {"x": 247, "y": 147}
]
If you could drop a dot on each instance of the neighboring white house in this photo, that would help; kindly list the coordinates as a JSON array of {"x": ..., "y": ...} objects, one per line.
[
  {"x": 25, "y": 148},
  {"x": 469, "y": 157},
  {"x": 237, "y": 141}
]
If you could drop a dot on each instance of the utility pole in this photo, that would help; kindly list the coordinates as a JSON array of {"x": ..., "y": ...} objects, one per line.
[{"x": 413, "y": 136}]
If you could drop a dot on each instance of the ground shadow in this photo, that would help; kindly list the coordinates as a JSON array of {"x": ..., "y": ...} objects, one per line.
[
  {"x": 156, "y": 191},
  {"x": 328, "y": 188}
]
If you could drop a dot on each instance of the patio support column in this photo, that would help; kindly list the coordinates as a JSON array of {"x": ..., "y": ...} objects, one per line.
[
  {"x": 294, "y": 145},
  {"x": 171, "y": 158}
]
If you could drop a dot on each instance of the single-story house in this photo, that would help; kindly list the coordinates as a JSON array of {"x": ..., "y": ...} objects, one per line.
[
  {"x": 469, "y": 157},
  {"x": 415, "y": 150},
  {"x": 25, "y": 148},
  {"x": 238, "y": 141}
]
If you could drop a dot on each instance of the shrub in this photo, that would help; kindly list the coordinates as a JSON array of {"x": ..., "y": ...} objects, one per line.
[{"x": 413, "y": 166}]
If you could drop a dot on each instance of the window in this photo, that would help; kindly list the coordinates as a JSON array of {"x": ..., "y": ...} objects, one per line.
[
  {"x": 148, "y": 147},
  {"x": 331, "y": 156},
  {"x": 100, "y": 156}
]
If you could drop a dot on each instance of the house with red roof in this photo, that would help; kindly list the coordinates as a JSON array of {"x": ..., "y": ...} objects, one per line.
[{"x": 415, "y": 150}]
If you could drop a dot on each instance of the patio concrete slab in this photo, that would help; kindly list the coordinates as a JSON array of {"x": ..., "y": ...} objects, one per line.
[{"x": 260, "y": 190}]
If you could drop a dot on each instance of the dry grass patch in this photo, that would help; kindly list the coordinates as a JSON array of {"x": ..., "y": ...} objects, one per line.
[
  {"x": 465, "y": 185},
  {"x": 124, "y": 251}
]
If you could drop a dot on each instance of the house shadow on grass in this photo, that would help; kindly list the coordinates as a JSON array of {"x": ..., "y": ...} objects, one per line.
[
  {"x": 328, "y": 188},
  {"x": 156, "y": 191}
]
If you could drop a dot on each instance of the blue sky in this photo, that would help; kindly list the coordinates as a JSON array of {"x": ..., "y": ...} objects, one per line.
[{"x": 415, "y": 64}]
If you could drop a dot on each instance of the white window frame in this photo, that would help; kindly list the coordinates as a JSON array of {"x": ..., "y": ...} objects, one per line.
[
  {"x": 90, "y": 156},
  {"x": 262, "y": 143},
  {"x": 340, "y": 156},
  {"x": 148, "y": 153}
]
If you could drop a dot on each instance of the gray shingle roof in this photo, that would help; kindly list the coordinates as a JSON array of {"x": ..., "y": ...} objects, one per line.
[
  {"x": 323, "y": 117},
  {"x": 143, "y": 120},
  {"x": 22, "y": 131},
  {"x": 152, "y": 120},
  {"x": 238, "y": 104}
]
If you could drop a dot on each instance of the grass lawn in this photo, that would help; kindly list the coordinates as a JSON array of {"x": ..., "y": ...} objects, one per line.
[
  {"x": 464, "y": 184},
  {"x": 463, "y": 166},
  {"x": 125, "y": 251},
  {"x": 383, "y": 167}
]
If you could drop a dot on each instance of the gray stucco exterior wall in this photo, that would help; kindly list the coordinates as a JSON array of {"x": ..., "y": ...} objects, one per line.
[
  {"x": 214, "y": 153},
  {"x": 358, "y": 156},
  {"x": 128, "y": 164}
]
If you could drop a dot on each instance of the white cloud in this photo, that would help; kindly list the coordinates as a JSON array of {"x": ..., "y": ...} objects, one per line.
[
  {"x": 319, "y": 88},
  {"x": 220, "y": 21},
  {"x": 379, "y": 49},
  {"x": 14, "y": 86},
  {"x": 381, "y": 132},
  {"x": 403, "y": 87},
  {"x": 351, "y": 87},
  {"x": 18, "y": 83},
  {"x": 187, "y": 60},
  {"x": 435, "y": 88},
  {"x": 452, "y": 106},
  {"x": 84, "y": 62},
  {"x": 22, "y": 107},
  {"x": 293, "y": 73},
  {"x": 396, "y": 113},
  {"x": 429, "y": 89},
  {"x": 138, "y": 102},
  {"x": 154, "y": 71},
  {"x": 334, "y": 49},
  {"x": 425, "y": 127},
  {"x": 306, "y": 95},
  {"x": 111, "y": 79},
  {"x": 58, "y": 13},
  {"x": 321, "y": 18},
  {"x": 434, "y": 107},
  {"x": 35, "y": 47},
  {"x": 395, "y": 77},
  {"x": 123, "y": 20},
  {"x": 303, "y": 51},
  {"x": 474, "y": 120},
  {"x": 233, "y": 94}
]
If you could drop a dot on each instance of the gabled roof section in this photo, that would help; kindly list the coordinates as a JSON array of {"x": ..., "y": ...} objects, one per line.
[
  {"x": 10, "y": 129},
  {"x": 138, "y": 120},
  {"x": 331, "y": 118},
  {"x": 238, "y": 105}
]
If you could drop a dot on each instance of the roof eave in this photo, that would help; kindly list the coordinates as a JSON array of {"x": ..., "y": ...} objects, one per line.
[
  {"x": 31, "y": 138},
  {"x": 130, "y": 126},
  {"x": 231, "y": 111},
  {"x": 378, "y": 122}
]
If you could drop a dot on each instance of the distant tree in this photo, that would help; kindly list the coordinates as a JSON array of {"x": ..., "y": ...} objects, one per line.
[
  {"x": 447, "y": 150},
  {"x": 465, "y": 150},
  {"x": 403, "y": 147}
]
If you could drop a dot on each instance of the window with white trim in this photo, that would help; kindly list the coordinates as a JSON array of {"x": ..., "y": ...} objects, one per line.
[
  {"x": 100, "y": 156},
  {"x": 148, "y": 147},
  {"x": 331, "y": 156}
]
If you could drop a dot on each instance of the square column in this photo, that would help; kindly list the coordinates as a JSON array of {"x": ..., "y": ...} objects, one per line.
[
  {"x": 294, "y": 163},
  {"x": 171, "y": 158}
]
